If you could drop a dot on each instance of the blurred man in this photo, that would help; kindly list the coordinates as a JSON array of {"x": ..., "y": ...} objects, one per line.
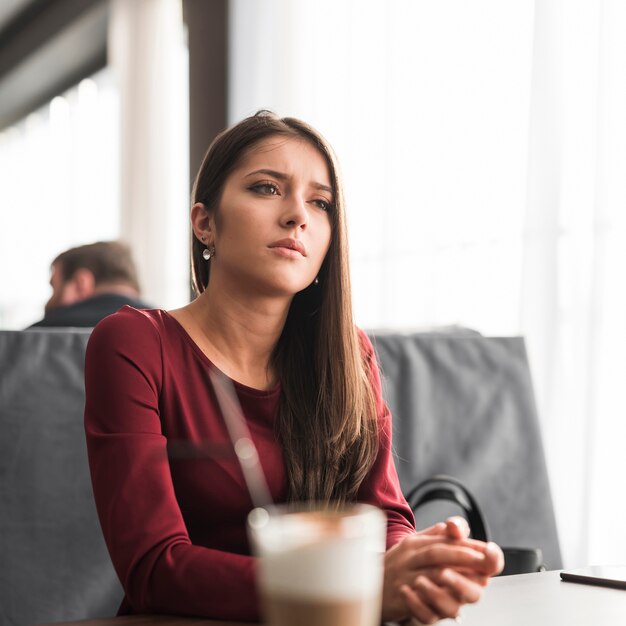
[{"x": 89, "y": 283}]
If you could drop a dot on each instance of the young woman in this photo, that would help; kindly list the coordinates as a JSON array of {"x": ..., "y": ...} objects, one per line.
[{"x": 273, "y": 313}]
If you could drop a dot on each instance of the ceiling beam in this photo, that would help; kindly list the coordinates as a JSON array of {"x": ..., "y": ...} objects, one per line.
[{"x": 46, "y": 49}]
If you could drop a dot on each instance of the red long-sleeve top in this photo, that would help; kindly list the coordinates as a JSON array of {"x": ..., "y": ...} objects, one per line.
[{"x": 170, "y": 495}]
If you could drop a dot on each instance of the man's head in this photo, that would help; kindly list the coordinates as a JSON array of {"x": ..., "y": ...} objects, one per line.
[{"x": 85, "y": 271}]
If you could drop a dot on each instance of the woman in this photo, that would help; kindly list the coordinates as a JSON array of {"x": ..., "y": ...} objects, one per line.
[{"x": 273, "y": 313}]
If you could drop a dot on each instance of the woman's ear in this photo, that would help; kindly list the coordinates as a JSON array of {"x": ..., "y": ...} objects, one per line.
[{"x": 202, "y": 222}]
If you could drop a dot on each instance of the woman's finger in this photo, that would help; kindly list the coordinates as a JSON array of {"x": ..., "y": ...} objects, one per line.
[
  {"x": 439, "y": 533},
  {"x": 457, "y": 527},
  {"x": 440, "y": 528},
  {"x": 440, "y": 600},
  {"x": 417, "y": 607},
  {"x": 485, "y": 559},
  {"x": 446, "y": 555},
  {"x": 473, "y": 575},
  {"x": 464, "y": 589},
  {"x": 495, "y": 559}
]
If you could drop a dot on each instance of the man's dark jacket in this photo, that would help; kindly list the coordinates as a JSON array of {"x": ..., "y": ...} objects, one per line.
[{"x": 89, "y": 312}]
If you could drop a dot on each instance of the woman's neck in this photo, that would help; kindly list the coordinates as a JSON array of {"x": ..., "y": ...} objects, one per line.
[{"x": 238, "y": 335}]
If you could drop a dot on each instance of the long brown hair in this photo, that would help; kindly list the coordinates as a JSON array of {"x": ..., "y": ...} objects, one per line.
[{"x": 327, "y": 414}]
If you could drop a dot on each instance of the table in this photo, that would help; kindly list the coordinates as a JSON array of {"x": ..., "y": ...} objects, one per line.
[
  {"x": 526, "y": 600},
  {"x": 150, "y": 620},
  {"x": 543, "y": 599}
]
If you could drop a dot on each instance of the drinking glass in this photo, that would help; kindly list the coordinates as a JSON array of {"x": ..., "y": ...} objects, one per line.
[{"x": 319, "y": 565}]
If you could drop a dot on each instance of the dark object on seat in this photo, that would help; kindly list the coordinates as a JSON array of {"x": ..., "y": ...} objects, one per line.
[
  {"x": 463, "y": 405},
  {"x": 54, "y": 565},
  {"x": 448, "y": 488},
  {"x": 516, "y": 560},
  {"x": 522, "y": 561}
]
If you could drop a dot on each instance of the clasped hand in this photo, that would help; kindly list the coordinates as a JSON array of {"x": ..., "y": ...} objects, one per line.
[{"x": 431, "y": 574}]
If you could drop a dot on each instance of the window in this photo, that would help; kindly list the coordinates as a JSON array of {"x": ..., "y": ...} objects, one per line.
[{"x": 60, "y": 188}]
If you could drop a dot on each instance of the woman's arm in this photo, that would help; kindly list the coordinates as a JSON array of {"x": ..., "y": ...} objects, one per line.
[
  {"x": 428, "y": 574},
  {"x": 381, "y": 487},
  {"x": 160, "y": 570}
]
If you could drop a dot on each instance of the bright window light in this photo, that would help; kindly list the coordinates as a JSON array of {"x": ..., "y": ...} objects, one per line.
[{"x": 59, "y": 188}]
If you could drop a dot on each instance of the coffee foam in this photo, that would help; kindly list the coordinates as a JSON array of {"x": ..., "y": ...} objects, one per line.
[
  {"x": 322, "y": 564},
  {"x": 334, "y": 570}
]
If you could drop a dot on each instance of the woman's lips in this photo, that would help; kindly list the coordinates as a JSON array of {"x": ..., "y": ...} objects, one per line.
[{"x": 289, "y": 247}]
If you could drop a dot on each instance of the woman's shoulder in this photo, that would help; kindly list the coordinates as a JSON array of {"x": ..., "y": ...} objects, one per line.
[{"x": 130, "y": 326}]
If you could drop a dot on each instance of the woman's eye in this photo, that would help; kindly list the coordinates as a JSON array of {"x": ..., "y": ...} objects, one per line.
[
  {"x": 323, "y": 204},
  {"x": 267, "y": 189}
]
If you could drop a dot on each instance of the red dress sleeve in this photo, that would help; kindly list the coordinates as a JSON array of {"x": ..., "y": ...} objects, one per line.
[
  {"x": 159, "y": 568},
  {"x": 382, "y": 486}
]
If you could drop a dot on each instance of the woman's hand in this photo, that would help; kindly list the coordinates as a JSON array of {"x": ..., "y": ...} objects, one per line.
[
  {"x": 431, "y": 574},
  {"x": 455, "y": 527}
]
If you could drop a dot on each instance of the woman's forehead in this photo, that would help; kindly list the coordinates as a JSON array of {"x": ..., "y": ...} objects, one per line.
[{"x": 285, "y": 152}]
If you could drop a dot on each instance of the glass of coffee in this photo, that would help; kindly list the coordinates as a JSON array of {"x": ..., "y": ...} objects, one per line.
[{"x": 319, "y": 566}]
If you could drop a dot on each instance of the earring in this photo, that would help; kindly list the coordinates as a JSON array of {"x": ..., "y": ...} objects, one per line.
[
  {"x": 317, "y": 280},
  {"x": 208, "y": 252}
]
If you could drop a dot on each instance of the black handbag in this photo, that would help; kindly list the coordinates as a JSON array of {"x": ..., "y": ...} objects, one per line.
[{"x": 440, "y": 487}]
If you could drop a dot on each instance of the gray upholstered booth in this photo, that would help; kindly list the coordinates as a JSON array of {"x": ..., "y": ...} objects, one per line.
[
  {"x": 53, "y": 562},
  {"x": 462, "y": 404}
]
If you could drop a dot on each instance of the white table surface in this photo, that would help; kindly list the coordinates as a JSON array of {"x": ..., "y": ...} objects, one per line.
[{"x": 543, "y": 599}]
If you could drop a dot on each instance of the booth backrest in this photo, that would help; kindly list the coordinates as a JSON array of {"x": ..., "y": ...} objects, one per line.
[
  {"x": 54, "y": 564},
  {"x": 462, "y": 404}
]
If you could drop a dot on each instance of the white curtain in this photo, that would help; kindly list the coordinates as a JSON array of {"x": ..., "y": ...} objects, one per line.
[
  {"x": 483, "y": 148},
  {"x": 574, "y": 301},
  {"x": 149, "y": 58},
  {"x": 426, "y": 104}
]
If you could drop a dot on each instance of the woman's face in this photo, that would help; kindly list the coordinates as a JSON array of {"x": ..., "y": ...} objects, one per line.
[{"x": 272, "y": 228}]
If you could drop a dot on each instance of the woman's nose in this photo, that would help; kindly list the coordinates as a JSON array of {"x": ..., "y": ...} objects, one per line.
[{"x": 296, "y": 214}]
